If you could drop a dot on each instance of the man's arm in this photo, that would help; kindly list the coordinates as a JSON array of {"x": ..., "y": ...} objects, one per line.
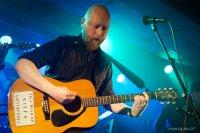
[{"x": 30, "y": 74}]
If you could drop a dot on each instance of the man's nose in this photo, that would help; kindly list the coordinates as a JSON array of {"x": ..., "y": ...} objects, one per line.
[{"x": 100, "y": 31}]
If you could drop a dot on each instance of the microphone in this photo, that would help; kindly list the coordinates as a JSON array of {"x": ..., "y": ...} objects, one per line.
[{"x": 150, "y": 20}]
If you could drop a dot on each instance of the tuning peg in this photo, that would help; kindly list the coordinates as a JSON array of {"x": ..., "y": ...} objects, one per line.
[
  {"x": 165, "y": 89},
  {"x": 159, "y": 89},
  {"x": 170, "y": 88},
  {"x": 168, "y": 102},
  {"x": 173, "y": 102}
]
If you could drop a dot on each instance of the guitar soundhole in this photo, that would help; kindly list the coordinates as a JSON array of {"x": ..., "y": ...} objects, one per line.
[{"x": 73, "y": 106}]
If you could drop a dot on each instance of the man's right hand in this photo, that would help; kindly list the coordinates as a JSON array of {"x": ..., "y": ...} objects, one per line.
[
  {"x": 28, "y": 72},
  {"x": 63, "y": 95}
]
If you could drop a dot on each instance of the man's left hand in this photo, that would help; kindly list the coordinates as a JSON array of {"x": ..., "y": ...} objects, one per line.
[{"x": 141, "y": 102}]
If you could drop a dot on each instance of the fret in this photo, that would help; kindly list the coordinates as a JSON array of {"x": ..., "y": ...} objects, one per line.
[
  {"x": 116, "y": 100},
  {"x": 113, "y": 99},
  {"x": 83, "y": 103},
  {"x": 90, "y": 102},
  {"x": 99, "y": 100},
  {"x": 130, "y": 97},
  {"x": 106, "y": 100},
  {"x": 122, "y": 99},
  {"x": 87, "y": 102},
  {"x": 94, "y": 99}
]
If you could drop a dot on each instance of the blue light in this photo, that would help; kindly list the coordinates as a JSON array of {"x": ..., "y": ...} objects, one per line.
[
  {"x": 6, "y": 40},
  {"x": 37, "y": 45},
  {"x": 120, "y": 78},
  {"x": 107, "y": 45},
  {"x": 168, "y": 69}
]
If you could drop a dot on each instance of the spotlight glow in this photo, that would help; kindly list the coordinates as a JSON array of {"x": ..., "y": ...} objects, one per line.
[
  {"x": 120, "y": 78},
  {"x": 168, "y": 69},
  {"x": 106, "y": 45},
  {"x": 37, "y": 45},
  {"x": 6, "y": 40}
]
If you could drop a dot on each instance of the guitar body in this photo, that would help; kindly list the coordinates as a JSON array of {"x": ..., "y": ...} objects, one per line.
[{"x": 61, "y": 119}]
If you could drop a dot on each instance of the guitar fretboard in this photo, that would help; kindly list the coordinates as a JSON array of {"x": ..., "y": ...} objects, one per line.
[{"x": 102, "y": 100}]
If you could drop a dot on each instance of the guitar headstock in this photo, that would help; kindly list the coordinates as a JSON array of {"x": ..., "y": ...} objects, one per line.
[{"x": 165, "y": 95}]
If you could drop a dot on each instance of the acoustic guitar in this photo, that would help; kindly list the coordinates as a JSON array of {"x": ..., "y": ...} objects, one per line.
[{"x": 33, "y": 111}]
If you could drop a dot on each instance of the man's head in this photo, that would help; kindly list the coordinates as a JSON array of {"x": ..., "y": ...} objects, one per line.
[{"x": 95, "y": 26}]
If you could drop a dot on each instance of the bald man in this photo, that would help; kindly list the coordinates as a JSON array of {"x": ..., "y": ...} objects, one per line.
[{"x": 77, "y": 57}]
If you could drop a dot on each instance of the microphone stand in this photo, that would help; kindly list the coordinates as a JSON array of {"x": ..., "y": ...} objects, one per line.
[{"x": 184, "y": 94}]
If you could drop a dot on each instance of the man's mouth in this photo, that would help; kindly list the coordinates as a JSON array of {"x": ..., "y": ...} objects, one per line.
[{"x": 97, "y": 40}]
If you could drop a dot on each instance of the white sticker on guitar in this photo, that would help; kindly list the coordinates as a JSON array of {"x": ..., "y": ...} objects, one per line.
[{"x": 24, "y": 108}]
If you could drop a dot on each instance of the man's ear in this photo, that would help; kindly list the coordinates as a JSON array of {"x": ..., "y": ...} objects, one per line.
[{"x": 82, "y": 22}]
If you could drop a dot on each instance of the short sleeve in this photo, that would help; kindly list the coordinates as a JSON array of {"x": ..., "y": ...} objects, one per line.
[{"x": 46, "y": 53}]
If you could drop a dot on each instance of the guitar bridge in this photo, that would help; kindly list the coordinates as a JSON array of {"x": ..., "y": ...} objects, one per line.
[{"x": 46, "y": 107}]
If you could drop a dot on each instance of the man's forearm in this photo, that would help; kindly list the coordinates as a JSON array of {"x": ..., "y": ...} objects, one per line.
[
  {"x": 30, "y": 74},
  {"x": 117, "y": 107},
  {"x": 123, "y": 109}
]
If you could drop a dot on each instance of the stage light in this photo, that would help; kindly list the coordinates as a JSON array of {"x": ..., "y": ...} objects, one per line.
[
  {"x": 5, "y": 40},
  {"x": 120, "y": 78},
  {"x": 105, "y": 114},
  {"x": 168, "y": 69},
  {"x": 37, "y": 45}
]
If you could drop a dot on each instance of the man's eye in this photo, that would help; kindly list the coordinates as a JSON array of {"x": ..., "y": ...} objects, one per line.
[
  {"x": 96, "y": 26},
  {"x": 103, "y": 27}
]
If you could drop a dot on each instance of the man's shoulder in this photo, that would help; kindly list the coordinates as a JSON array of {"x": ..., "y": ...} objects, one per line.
[
  {"x": 66, "y": 37},
  {"x": 67, "y": 40}
]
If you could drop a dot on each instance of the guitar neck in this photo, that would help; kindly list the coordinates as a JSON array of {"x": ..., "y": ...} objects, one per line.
[{"x": 102, "y": 100}]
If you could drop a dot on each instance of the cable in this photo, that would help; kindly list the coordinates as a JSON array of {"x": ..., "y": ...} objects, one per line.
[
  {"x": 177, "y": 51},
  {"x": 184, "y": 76}
]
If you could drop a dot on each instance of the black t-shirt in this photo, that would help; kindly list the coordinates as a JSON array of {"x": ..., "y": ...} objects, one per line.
[{"x": 67, "y": 60}]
